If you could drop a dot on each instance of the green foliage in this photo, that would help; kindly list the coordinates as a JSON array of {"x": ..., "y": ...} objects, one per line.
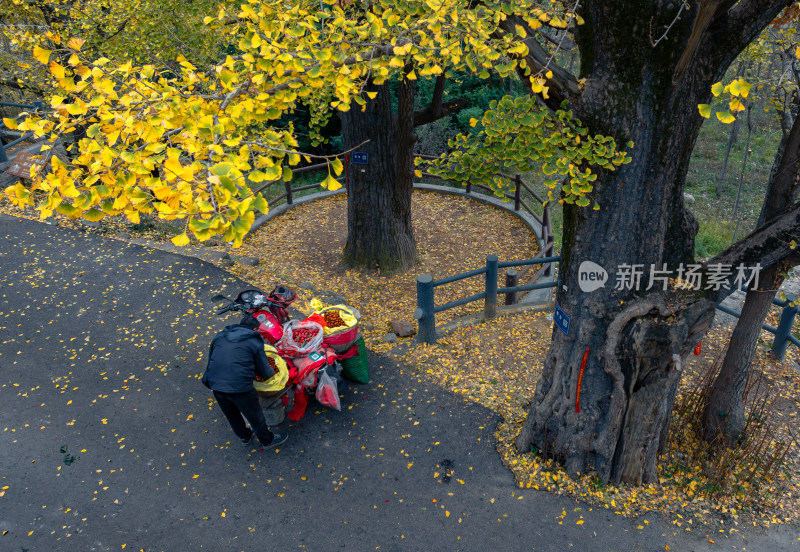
[
  {"x": 711, "y": 241},
  {"x": 473, "y": 113},
  {"x": 519, "y": 135}
]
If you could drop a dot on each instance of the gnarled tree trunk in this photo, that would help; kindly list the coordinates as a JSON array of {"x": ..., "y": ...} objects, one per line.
[{"x": 637, "y": 340}]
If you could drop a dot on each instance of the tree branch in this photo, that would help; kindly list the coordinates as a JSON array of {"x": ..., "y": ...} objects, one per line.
[
  {"x": 438, "y": 108},
  {"x": 723, "y": 28},
  {"x": 783, "y": 183},
  {"x": 16, "y": 84},
  {"x": 562, "y": 85},
  {"x": 765, "y": 246},
  {"x": 705, "y": 13}
]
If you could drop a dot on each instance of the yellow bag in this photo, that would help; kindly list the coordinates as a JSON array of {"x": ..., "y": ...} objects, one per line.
[
  {"x": 278, "y": 381},
  {"x": 345, "y": 313}
]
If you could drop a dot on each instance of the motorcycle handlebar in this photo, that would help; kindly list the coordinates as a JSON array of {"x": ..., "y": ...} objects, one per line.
[
  {"x": 245, "y": 308},
  {"x": 232, "y": 306}
]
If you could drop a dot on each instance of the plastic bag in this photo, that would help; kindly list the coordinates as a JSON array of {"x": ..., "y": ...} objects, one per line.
[
  {"x": 300, "y": 337},
  {"x": 278, "y": 381},
  {"x": 327, "y": 391}
]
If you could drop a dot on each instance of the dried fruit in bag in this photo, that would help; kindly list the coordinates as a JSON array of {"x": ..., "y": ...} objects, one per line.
[{"x": 300, "y": 337}]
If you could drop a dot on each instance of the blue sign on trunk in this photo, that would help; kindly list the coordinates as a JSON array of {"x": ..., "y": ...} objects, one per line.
[
  {"x": 360, "y": 157},
  {"x": 561, "y": 319}
]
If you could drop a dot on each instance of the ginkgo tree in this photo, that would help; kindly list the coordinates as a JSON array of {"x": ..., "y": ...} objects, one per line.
[
  {"x": 645, "y": 67},
  {"x": 196, "y": 143},
  {"x": 723, "y": 418}
]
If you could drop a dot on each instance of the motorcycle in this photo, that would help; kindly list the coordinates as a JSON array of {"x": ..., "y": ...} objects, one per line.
[{"x": 271, "y": 310}]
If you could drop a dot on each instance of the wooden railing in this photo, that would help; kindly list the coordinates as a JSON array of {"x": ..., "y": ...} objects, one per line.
[
  {"x": 513, "y": 277},
  {"x": 289, "y": 190},
  {"x": 426, "y": 307},
  {"x": 36, "y": 107}
]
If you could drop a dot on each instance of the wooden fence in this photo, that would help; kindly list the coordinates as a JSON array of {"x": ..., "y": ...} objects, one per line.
[
  {"x": 513, "y": 277},
  {"x": 21, "y": 137}
]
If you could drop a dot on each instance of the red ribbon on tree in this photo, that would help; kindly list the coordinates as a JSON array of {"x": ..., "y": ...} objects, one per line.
[{"x": 580, "y": 379}]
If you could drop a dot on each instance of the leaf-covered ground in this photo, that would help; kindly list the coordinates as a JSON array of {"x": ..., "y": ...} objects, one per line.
[{"x": 498, "y": 363}]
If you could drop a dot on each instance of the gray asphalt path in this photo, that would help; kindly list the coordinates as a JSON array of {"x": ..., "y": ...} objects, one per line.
[{"x": 108, "y": 441}]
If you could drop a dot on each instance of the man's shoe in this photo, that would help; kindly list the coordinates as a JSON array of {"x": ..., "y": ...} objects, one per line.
[
  {"x": 249, "y": 440},
  {"x": 277, "y": 439}
]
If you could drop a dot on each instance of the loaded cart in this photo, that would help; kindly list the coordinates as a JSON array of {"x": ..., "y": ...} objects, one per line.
[{"x": 313, "y": 356}]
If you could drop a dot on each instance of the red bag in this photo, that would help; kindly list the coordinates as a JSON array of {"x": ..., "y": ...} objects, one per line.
[
  {"x": 341, "y": 337},
  {"x": 351, "y": 352},
  {"x": 317, "y": 318},
  {"x": 308, "y": 365},
  {"x": 342, "y": 341},
  {"x": 300, "y": 403}
]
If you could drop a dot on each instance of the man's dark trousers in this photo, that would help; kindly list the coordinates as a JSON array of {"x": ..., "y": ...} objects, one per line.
[{"x": 233, "y": 405}]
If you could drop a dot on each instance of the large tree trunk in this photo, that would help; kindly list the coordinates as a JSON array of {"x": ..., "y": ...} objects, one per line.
[
  {"x": 379, "y": 231},
  {"x": 636, "y": 340}
]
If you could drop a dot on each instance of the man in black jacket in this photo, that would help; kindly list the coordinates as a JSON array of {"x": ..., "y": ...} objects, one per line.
[{"x": 235, "y": 358}]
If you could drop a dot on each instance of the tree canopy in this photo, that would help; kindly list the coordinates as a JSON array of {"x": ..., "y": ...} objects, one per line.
[
  {"x": 196, "y": 141},
  {"x": 139, "y": 30}
]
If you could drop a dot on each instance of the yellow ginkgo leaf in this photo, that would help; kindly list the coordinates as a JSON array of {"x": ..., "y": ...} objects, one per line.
[
  {"x": 181, "y": 240},
  {"x": 725, "y": 117},
  {"x": 75, "y": 43},
  {"x": 705, "y": 110},
  {"x": 717, "y": 89},
  {"x": 56, "y": 69},
  {"x": 330, "y": 183},
  {"x": 744, "y": 88},
  {"x": 41, "y": 54}
]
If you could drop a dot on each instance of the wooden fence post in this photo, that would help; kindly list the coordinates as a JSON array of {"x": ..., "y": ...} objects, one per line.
[
  {"x": 782, "y": 331},
  {"x": 511, "y": 281},
  {"x": 547, "y": 237},
  {"x": 288, "y": 186},
  {"x": 490, "y": 302},
  {"x": 426, "y": 318}
]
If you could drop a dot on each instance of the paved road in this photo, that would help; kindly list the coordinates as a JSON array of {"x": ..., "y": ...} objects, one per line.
[{"x": 110, "y": 442}]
